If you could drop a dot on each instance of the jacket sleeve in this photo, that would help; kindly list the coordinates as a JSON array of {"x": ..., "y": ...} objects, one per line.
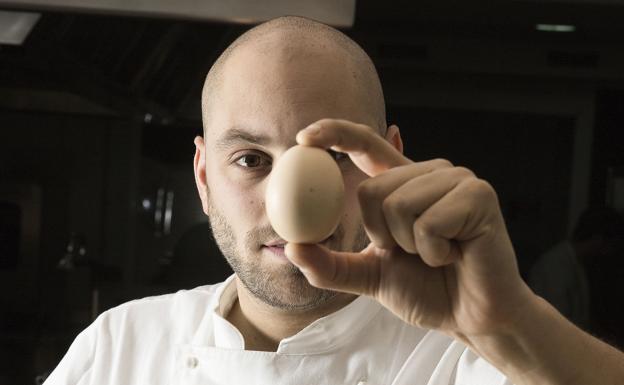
[{"x": 75, "y": 367}]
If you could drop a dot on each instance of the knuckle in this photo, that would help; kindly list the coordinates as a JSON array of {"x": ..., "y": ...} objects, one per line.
[
  {"x": 324, "y": 121},
  {"x": 387, "y": 206},
  {"x": 464, "y": 172},
  {"x": 441, "y": 163},
  {"x": 368, "y": 191},
  {"x": 393, "y": 205},
  {"x": 421, "y": 229},
  {"x": 365, "y": 127},
  {"x": 481, "y": 189},
  {"x": 367, "y": 137}
]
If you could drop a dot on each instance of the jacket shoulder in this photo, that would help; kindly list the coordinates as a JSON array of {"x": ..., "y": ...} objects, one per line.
[
  {"x": 130, "y": 333},
  {"x": 176, "y": 313}
]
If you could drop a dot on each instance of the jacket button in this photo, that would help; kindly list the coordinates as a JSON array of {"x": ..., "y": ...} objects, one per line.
[{"x": 192, "y": 362}]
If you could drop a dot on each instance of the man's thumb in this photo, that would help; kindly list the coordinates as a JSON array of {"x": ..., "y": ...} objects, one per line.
[{"x": 356, "y": 273}]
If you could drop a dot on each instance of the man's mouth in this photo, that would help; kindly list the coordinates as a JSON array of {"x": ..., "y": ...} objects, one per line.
[
  {"x": 276, "y": 243},
  {"x": 281, "y": 243},
  {"x": 277, "y": 249},
  {"x": 277, "y": 246}
]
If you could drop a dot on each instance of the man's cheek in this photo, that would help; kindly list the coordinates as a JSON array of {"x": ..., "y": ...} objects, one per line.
[{"x": 246, "y": 204}]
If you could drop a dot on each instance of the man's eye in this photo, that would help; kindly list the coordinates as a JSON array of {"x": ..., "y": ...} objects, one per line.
[
  {"x": 251, "y": 161},
  {"x": 338, "y": 156}
]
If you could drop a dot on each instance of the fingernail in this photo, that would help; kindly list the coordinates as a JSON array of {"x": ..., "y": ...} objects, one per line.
[{"x": 313, "y": 129}]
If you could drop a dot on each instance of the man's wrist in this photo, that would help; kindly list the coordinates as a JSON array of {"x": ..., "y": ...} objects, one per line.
[
  {"x": 510, "y": 346},
  {"x": 540, "y": 346}
]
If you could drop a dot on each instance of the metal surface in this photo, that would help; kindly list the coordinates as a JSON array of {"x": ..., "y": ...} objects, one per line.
[
  {"x": 339, "y": 13},
  {"x": 168, "y": 213},
  {"x": 15, "y": 26}
]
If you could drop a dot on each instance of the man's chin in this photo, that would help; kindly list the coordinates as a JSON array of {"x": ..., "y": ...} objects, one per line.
[{"x": 285, "y": 287}]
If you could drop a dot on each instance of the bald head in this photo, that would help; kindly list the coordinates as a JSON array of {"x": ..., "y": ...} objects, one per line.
[{"x": 289, "y": 47}]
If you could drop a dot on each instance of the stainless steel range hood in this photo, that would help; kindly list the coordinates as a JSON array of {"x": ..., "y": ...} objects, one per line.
[
  {"x": 15, "y": 26},
  {"x": 339, "y": 13}
]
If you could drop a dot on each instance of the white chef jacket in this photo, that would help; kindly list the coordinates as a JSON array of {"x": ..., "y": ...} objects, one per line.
[{"x": 184, "y": 338}]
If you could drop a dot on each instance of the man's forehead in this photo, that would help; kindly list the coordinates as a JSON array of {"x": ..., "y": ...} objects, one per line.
[
  {"x": 241, "y": 135},
  {"x": 259, "y": 107}
]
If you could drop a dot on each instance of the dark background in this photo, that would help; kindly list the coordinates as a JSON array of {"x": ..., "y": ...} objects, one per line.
[{"x": 98, "y": 114}]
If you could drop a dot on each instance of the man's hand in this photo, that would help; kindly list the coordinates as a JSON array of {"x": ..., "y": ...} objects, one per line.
[{"x": 440, "y": 255}]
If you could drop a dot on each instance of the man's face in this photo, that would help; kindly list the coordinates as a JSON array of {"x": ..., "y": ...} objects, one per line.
[{"x": 266, "y": 96}]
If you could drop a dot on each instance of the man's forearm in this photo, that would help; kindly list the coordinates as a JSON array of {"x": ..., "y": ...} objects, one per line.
[{"x": 542, "y": 347}]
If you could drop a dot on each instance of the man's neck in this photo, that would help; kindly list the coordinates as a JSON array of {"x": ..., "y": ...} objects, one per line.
[{"x": 263, "y": 326}]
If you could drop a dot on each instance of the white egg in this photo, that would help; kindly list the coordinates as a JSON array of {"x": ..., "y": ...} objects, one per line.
[{"x": 305, "y": 195}]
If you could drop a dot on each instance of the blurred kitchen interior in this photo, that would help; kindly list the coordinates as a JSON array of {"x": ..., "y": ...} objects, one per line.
[{"x": 99, "y": 107}]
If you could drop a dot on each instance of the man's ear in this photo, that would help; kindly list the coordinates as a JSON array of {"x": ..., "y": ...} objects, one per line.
[
  {"x": 393, "y": 135},
  {"x": 199, "y": 164}
]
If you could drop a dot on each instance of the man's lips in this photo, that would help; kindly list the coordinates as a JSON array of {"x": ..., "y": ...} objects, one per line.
[
  {"x": 276, "y": 243},
  {"x": 281, "y": 243},
  {"x": 276, "y": 247}
]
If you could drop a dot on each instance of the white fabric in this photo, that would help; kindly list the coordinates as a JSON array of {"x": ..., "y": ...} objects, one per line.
[{"x": 183, "y": 338}]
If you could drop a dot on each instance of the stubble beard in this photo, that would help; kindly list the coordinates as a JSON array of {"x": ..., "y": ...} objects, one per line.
[{"x": 282, "y": 285}]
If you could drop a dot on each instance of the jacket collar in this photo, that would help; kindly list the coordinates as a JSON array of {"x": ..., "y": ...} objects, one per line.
[{"x": 323, "y": 335}]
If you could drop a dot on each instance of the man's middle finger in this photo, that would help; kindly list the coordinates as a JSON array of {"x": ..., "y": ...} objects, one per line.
[{"x": 374, "y": 191}]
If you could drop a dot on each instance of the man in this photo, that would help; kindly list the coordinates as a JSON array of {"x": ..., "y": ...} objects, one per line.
[{"x": 345, "y": 311}]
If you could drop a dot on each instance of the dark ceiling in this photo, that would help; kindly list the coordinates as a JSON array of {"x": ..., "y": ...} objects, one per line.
[{"x": 130, "y": 66}]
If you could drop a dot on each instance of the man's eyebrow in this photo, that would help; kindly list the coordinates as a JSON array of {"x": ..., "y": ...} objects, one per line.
[{"x": 235, "y": 136}]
